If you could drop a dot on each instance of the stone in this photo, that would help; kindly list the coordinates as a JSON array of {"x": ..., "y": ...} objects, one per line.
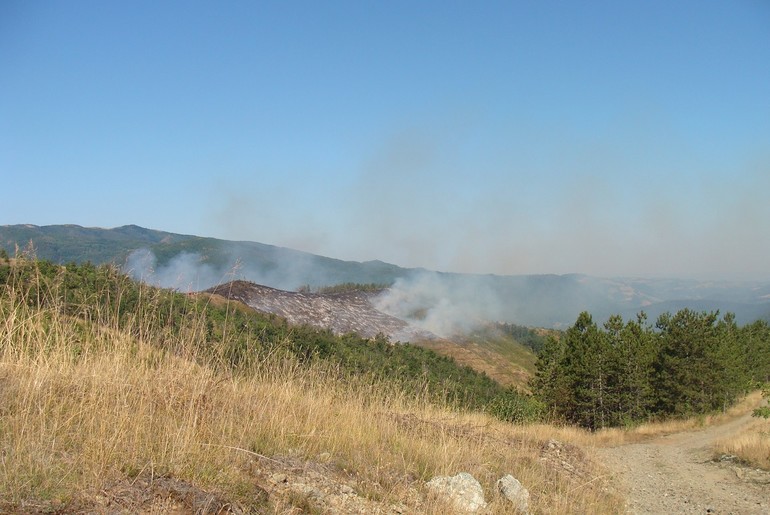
[
  {"x": 308, "y": 491},
  {"x": 463, "y": 490},
  {"x": 513, "y": 490}
]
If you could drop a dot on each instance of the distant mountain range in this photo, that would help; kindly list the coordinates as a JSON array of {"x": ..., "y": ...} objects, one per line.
[{"x": 437, "y": 302}]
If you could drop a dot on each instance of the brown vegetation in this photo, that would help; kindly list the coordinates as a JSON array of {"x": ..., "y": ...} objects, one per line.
[{"x": 94, "y": 418}]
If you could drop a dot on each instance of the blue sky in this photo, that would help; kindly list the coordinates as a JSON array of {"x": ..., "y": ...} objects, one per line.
[{"x": 608, "y": 138}]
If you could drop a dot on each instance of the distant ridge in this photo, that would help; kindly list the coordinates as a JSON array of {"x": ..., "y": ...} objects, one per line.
[{"x": 195, "y": 263}]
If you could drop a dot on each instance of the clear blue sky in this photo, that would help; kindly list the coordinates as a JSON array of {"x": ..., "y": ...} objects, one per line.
[{"x": 608, "y": 138}]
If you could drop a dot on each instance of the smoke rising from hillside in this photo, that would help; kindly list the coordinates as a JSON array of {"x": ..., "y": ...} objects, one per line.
[
  {"x": 184, "y": 272},
  {"x": 443, "y": 305},
  {"x": 192, "y": 271}
]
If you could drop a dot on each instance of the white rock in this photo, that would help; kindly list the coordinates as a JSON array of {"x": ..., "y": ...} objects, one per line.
[
  {"x": 510, "y": 487},
  {"x": 463, "y": 490}
]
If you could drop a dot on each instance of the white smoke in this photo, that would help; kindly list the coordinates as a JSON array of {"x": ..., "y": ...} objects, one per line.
[
  {"x": 185, "y": 272},
  {"x": 192, "y": 271},
  {"x": 442, "y": 304}
]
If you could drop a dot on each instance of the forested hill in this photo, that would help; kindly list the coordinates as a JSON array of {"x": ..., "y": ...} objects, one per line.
[
  {"x": 626, "y": 372},
  {"x": 210, "y": 261},
  {"x": 194, "y": 263}
]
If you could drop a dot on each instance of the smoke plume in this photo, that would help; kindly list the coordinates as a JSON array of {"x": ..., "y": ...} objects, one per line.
[{"x": 442, "y": 304}]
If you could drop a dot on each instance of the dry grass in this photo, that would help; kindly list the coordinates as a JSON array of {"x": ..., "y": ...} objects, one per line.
[
  {"x": 619, "y": 436},
  {"x": 83, "y": 406},
  {"x": 752, "y": 445}
]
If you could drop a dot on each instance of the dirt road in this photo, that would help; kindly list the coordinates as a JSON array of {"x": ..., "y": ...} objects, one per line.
[{"x": 676, "y": 474}]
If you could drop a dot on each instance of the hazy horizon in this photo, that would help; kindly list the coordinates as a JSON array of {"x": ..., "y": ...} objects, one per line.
[{"x": 613, "y": 139}]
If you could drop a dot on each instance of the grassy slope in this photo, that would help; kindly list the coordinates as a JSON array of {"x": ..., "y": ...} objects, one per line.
[
  {"x": 499, "y": 356},
  {"x": 94, "y": 401}
]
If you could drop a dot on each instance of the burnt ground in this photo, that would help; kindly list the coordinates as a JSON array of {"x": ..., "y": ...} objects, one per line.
[
  {"x": 342, "y": 313},
  {"x": 355, "y": 312}
]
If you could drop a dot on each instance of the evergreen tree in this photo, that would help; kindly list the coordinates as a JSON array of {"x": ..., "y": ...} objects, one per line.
[
  {"x": 549, "y": 384},
  {"x": 731, "y": 353},
  {"x": 691, "y": 363},
  {"x": 632, "y": 355},
  {"x": 687, "y": 370},
  {"x": 756, "y": 338},
  {"x": 586, "y": 366}
]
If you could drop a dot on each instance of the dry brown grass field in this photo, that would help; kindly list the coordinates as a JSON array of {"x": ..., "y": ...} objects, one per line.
[
  {"x": 99, "y": 417},
  {"x": 95, "y": 418},
  {"x": 752, "y": 445}
]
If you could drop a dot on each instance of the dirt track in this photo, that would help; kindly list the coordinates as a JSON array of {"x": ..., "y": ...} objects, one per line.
[{"x": 676, "y": 474}]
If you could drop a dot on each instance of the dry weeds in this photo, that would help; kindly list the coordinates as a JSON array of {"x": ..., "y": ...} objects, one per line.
[
  {"x": 752, "y": 445},
  {"x": 85, "y": 407}
]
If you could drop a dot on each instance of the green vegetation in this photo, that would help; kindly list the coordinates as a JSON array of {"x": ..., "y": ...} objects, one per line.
[
  {"x": 348, "y": 287},
  {"x": 763, "y": 411},
  {"x": 237, "y": 339},
  {"x": 524, "y": 335},
  {"x": 68, "y": 243},
  {"x": 71, "y": 243},
  {"x": 629, "y": 372}
]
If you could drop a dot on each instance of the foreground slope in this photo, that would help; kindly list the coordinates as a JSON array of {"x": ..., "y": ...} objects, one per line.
[{"x": 121, "y": 398}]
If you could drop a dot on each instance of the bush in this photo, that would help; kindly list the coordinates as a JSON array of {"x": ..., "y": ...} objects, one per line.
[
  {"x": 763, "y": 411},
  {"x": 512, "y": 406}
]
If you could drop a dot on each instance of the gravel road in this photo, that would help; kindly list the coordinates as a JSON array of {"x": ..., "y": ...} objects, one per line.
[{"x": 677, "y": 474}]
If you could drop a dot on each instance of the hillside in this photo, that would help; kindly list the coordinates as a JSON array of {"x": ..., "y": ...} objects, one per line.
[
  {"x": 118, "y": 397},
  {"x": 486, "y": 349},
  {"x": 192, "y": 263},
  {"x": 347, "y": 312}
]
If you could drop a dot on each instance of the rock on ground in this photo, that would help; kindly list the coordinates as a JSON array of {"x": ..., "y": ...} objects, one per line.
[
  {"x": 513, "y": 490},
  {"x": 463, "y": 490}
]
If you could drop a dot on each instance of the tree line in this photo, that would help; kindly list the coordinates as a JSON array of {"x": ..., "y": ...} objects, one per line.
[{"x": 626, "y": 372}]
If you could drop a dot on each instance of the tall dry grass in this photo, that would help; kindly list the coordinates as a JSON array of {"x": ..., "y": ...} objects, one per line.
[
  {"x": 645, "y": 431},
  {"x": 751, "y": 445},
  {"x": 84, "y": 404}
]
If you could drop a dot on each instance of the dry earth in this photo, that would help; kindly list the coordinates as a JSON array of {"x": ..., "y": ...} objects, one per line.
[{"x": 677, "y": 474}]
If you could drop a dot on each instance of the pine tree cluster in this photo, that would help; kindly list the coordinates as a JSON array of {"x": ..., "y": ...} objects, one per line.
[{"x": 624, "y": 373}]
